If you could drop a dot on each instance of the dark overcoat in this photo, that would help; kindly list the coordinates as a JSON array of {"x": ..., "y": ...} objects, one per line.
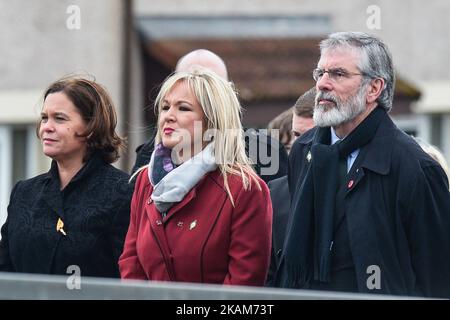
[
  {"x": 95, "y": 209},
  {"x": 279, "y": 193},
  {"x": 397, "y": 208}
]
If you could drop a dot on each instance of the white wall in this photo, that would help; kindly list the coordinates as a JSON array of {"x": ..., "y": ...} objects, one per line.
[
  {"x": 415, "y": 30},
  {"x": 137, "y": 132},
  {"x": 38, "y": 47},
  {"x": 40, "y": 43},
  {"x": 5, "y": 170},
  {"x": 446, "y": 136}
]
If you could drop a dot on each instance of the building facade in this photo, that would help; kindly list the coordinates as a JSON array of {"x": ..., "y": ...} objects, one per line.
[{"x": 110, "y": 39}]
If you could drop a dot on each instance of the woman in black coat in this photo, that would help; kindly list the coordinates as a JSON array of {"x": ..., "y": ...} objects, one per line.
[{"x": 74, "y": 217}]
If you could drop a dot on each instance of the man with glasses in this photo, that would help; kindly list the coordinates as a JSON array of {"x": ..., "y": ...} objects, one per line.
[{"x": 370, "y": 211}]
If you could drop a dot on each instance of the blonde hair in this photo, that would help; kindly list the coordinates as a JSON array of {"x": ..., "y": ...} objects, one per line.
[
  {"x": 436, "y": 154},
  {"x": 222, "y": 111}
]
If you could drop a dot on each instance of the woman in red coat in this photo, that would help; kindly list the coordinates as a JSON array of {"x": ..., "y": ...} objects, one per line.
[{"x": 199, "y": 212}]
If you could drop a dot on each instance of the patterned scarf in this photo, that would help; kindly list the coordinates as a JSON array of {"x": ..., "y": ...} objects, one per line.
[
  {"x": 162, "y": 163},
  {"x": 170, "y": 183}
]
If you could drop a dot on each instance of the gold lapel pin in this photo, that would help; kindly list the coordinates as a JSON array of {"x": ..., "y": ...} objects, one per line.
[
  {"x": 309, "y": 156},
  {"x": 193, "y": 225},
  {"x": 59, "y": 227}
]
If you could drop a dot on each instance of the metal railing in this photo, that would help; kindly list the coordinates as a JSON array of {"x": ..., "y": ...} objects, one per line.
[{"x": 45, "y": 287}]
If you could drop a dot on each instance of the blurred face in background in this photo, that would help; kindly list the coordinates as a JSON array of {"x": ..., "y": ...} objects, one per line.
[
  {"x": 60, "y": 127},
  {"x": 299, "y": 126}
]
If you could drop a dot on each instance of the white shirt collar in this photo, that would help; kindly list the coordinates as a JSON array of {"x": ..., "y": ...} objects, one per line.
[{"x": 334, "y": 137}]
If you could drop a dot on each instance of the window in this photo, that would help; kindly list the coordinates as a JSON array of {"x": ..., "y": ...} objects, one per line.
[
  {"x": 436, "y": 130},
  {"x": 18, "y": 160}
]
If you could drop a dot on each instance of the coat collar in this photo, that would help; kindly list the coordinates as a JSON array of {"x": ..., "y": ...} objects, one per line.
[
  {"x": 90, "y": 166},
  {"x": 376, "y": 156},
  {"x": 378, "y": 153},
  {"x": 52, "y": 193},
  {"x": 152, "y": 212}
]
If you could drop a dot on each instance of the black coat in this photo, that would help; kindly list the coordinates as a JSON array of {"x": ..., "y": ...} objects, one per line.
[
  {"x": 95, "y": 209},
  {"x": 260, "y": 147},
  {"x": 279, "y": 193},
  {"x": 397, "y": 209}
]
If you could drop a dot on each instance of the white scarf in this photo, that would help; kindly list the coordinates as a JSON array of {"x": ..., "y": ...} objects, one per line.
[{"x": 178, "y": 182}]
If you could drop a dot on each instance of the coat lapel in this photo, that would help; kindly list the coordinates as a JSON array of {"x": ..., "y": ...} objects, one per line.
[
  {"x": 177, "y": 207},
  {"x": 355, "y": 176},
  {"x": 157, "y": 225},
  {"x": 52, "y": 196},
  {"x": 157, "y": 228},
  {"x": 375, "y": 156}
]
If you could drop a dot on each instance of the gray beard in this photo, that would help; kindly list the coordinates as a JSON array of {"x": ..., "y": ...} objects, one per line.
[{"x": 342, "y": 112}]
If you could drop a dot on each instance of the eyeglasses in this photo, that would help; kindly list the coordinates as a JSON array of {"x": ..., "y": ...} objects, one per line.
[{"x": 335, "y": 75}]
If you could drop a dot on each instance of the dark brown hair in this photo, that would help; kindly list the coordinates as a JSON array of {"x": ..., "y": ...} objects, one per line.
[
  {"x": 304, "y": 107},
  {"x": 283, "y": 123},
  {"x": 97, "y": 109}
]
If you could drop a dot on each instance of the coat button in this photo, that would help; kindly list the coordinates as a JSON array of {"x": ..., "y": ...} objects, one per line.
[
  {"x": 158, "y": 222},
  {"x": 279, "y": 252},
  {"x": 150, "y": 200}
]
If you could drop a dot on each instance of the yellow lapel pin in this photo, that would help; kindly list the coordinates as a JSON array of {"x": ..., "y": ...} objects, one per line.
[{"x": 59, "y": 227}]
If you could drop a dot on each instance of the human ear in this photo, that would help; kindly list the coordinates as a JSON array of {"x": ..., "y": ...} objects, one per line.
[{"x": 375, "y": 88}]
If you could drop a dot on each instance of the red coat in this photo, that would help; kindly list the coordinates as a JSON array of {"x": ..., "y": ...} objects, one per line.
[{"x": 203, "y": 238}]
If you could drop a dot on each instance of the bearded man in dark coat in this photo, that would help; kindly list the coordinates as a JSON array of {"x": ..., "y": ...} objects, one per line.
[{"x": 370, "y": 210}]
